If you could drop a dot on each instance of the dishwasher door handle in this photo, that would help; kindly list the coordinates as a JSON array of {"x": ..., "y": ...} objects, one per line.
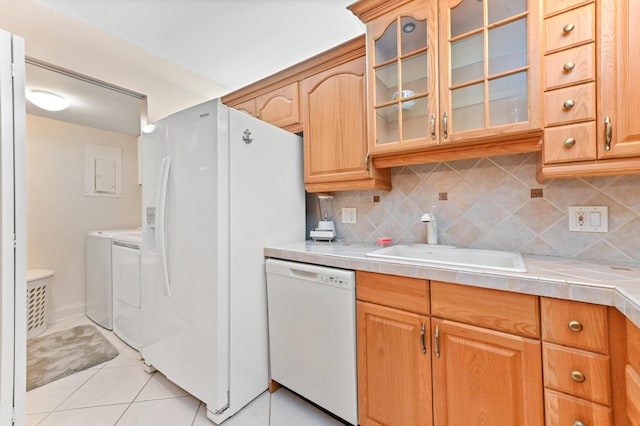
[{"x": 307, "y": 275}]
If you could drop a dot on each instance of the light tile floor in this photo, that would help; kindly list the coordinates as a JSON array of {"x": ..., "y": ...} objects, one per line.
[{"x": 119, "y": 392}]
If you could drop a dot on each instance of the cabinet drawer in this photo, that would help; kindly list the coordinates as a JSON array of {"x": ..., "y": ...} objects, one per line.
[
  {"x": 409, "y": 294},
  {"x": 553, "y": 6},
  {"x": 632, "y": 380},
  {"x": 559, "y": 71},
  {"x": 574, "y": 103},
  {"x": 563, "y": 410},
  {"x": 562, "y": 364},
  {"x": 570, "y": 28},
  {"x": 576, "y": 324},
  {"x": 557, "y": 140},
  {"x": 498, "y": 310}
]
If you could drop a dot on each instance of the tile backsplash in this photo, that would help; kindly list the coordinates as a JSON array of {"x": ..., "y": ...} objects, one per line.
[{"x": 489, "y": 204}]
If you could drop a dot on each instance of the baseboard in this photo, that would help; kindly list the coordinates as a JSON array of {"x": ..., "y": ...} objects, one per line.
[{"x": 66, "y": 312}]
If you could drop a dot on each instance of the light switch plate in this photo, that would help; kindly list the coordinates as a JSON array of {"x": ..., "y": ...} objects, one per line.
[
  {"x": 589, "y": 218},
  {"x": 349, "y": 215}
]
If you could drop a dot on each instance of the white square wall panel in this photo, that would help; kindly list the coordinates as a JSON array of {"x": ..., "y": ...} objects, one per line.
[{"x": 102, "y": 171}]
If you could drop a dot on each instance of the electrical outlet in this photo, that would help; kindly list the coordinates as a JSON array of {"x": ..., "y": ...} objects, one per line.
[
  {"x": 349, "y": 215},
  {"x": 589, "y": 218}
]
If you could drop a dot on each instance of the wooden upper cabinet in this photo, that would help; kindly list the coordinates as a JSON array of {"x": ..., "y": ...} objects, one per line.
[
  {"x": 599, "y": 41},
  {"x": 335, "y": 127},
  {"x": 489, "y": 68},
  {"x": 280, "y": 107},
  {"x": 402, "y": 90},
  {"x": 451, "y": 71},
  {"x": 618, "y": 82},
  {"x": 485, "y": 377}
]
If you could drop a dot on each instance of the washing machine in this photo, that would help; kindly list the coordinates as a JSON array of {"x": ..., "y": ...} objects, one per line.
[
  {"x": 125, "y": 253},
  {"x": 99, "y": 289}
]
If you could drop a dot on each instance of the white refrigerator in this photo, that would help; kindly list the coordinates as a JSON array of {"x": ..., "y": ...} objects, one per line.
[{"x": 217, "y": 186}]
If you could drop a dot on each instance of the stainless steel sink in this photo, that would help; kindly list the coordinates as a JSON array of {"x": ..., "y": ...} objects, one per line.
[{"x": 448, "y": 255}]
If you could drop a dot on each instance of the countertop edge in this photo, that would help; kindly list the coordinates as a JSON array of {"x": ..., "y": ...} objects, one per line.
[{"x": 548, "y": 276}]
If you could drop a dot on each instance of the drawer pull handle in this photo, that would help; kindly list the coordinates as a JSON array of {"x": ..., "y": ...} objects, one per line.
[
  {"x": 568, "y": 104},
  {"x": 568, "y": 28},
  {"x": 578, "y": 423},
  {"x": 575, "y": 326},
  {"x": 569, "y": 142},
  {"x": 569, "y": 66},
  {"x": 578, "y": 376}
]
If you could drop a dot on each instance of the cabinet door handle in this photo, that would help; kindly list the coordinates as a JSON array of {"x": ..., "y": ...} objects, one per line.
[
  {"x": 366, "y": 162},
  {"x": 433, "y": 126},
  {"x": 575, "y": 326},
  {"x": 578, "y": 423},
  {"x": 445, "y": 130},
  {"x": 569, "y": 142},
  {"x": 608, "y": 130},
  {"x": 569, "y": 103},
  {"x": 569, "y": 66},
  {"x": 436, "y": 342},
  {"x": 568, "y": 28},
  {"x": 578, "y": 376},
  {"x": 422, "y": 343}
]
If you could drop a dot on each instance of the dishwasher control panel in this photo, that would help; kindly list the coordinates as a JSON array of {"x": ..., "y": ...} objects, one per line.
[{"x": 336, "y": 281}]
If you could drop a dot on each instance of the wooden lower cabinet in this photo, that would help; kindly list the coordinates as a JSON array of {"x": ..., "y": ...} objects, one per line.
[
  {"x": 485, "y": 377},
  {"x": 394, "y": 367}
]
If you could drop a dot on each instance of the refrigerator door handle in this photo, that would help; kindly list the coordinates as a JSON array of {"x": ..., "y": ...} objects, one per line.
[{"x": 160, "y": 228}]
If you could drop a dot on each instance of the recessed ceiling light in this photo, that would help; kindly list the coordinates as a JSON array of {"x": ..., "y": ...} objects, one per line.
[
  {"x": 408, "y": 27},
  {"x": 47, "y": 100}
]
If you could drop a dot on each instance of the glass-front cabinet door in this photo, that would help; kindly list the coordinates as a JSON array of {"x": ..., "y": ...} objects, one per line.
[
  {"x": 489, "y": 72},
  {"x": 402, "y": 55}
]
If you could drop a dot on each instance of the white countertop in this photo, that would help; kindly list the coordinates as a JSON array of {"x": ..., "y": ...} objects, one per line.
[{"x": 601, "y": 282}]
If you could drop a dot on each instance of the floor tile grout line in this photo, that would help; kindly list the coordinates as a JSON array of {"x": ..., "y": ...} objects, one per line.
[{"x": 134, "y": 398}]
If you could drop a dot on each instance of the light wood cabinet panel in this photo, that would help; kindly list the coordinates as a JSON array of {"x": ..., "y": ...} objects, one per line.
[
  {"x": 572, "y": 104},
  {"x": 618, "y": 83},
  {"x": 280, "y": 107},
  {"x": 632, "y": 380},
  {"x": 500, "y": 310},
  {"x": 561, "y": 409},
  {"x": 633, "y": 345},
  {"x": 484, "y": 377},
  {"x": 570, "y": 143},
  {"x": 248, "y": 107},
  {"x": 409, "y": 294},
  {"x": 580, "y": 325},
  {"x": 335, "y": 126},
  {"x": 577, "y": 372},
  {"x": 554, "y": 6},
  {"x": 570, "y": 28},
  {"x": 394, "y": 373}
]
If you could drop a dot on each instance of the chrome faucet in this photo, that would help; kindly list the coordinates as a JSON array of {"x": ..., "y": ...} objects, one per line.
[{"x": 432, "y": 228}]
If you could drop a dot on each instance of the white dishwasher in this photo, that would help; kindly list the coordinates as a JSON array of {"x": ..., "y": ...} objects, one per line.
[{"x": 312, "y": 334}]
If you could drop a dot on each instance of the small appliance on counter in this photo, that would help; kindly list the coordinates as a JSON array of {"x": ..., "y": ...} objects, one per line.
[{"x": 326, "y": 230}]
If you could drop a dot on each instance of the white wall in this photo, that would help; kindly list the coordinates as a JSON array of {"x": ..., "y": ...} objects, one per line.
[{"x": 59, "y": 215}]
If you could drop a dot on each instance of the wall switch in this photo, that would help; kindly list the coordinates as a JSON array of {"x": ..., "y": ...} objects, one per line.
[
  {"x": 349, "y": 215},
  {"x": 589, "y": 218}
]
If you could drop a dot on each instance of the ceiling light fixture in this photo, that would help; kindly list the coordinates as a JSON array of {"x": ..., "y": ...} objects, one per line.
[
  {"x": 47, "y": 100},
  {"x": 149, "y": 128}
]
